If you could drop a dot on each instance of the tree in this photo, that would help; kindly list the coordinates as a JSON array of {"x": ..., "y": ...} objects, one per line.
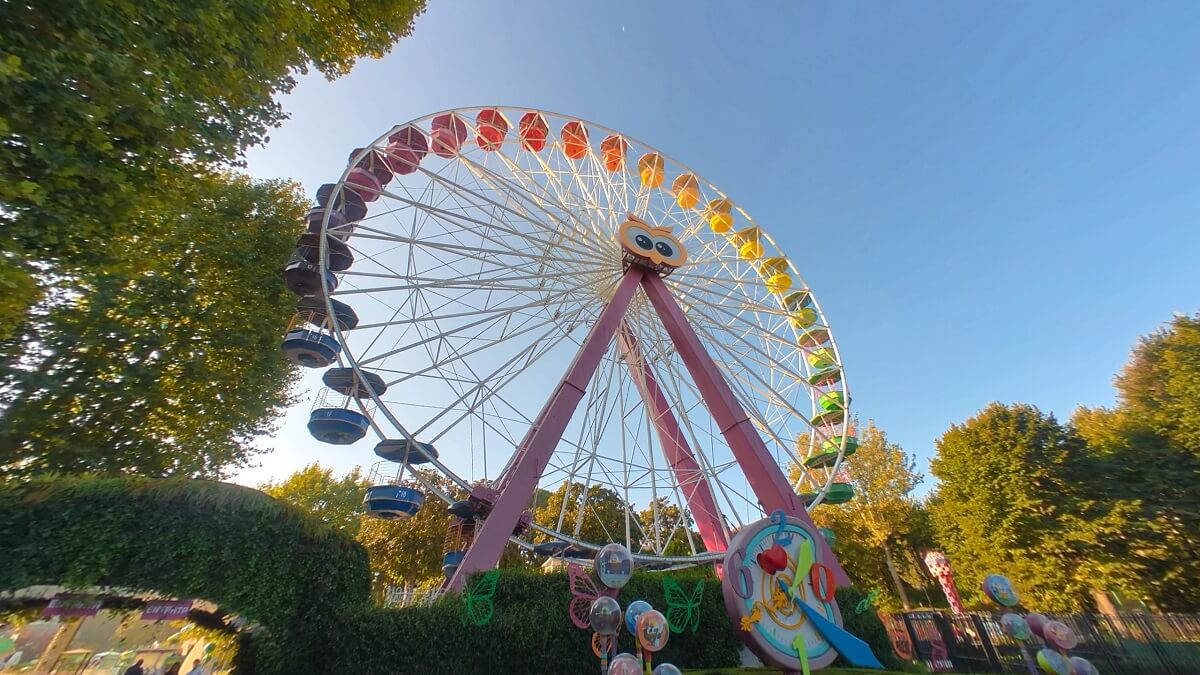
[
  {"x": 673, "y": 534},
  {"x": 872, "y": 530},
  {"x": 337, "y": 502},
  {"x": 167, "y": 363},
  {"x": 1146, "y": 451},
  {"x": 600, "y": 517},
  {"x": 1007, "y": 503},
  {"x": 99, "y": 101},
  {"x": 405, "y": 553}
]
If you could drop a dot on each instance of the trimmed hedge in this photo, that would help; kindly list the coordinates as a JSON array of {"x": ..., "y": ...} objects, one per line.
[
  {"x": 530, "y": 627},
  {"x": 253, "y": 555},
  {"x": 866, "y": 626},
  {"x": 308, "y": 586}
]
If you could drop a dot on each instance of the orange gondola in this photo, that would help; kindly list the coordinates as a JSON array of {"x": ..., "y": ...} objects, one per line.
[
  {"x": 575, "y": 140},
  {"x": 613, "y": 148}
]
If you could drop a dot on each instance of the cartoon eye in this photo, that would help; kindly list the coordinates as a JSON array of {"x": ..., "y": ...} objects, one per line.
[
  {"x": 643, "y": 241},
  {"x": 663, "y": 248}
]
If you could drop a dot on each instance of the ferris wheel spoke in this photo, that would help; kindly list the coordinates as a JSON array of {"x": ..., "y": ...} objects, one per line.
[
  {"x": 522, "y": 190},
  {"x": 467, "y": 222},
  {"x": 473, "y": 252},
  {"x": 464, "y": 190},
  {"x": 529, "y": 352}
]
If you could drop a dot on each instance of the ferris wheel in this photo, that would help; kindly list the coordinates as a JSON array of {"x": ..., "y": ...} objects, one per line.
[{"x": 529, "y": 303}]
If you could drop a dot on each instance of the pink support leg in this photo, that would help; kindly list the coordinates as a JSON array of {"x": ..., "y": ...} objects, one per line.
[
  {"x": 688, "y": 475},
  {"x": 537, "y": 447},
  {"x": 765, "y": 478}
]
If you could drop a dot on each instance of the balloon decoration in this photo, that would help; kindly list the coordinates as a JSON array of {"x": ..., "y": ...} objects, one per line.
[
  {"x": 939, "y": 567},
  {"x": 652, "y": 630},
  {"x": 605, "y": 615},
  {"x": 1081, "y": 666},
  {"x": 1052, "y": 662},
  {"x": 1000, "y": 590},
  {"x": 614, "y": 565},
  {"x": 1036, "y": 623},
  {"x": 683, "y": 609},
  {"x": 634, "y": 610},
  {"x": 667, "y": 669},
  {"x": 625, "y": 664},
  {"x": 1059, "y": 635},
  {"x": 1015, "y": 626}
]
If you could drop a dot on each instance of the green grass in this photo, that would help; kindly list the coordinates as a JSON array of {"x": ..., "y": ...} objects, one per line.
[{"x": 766, "y": 670}]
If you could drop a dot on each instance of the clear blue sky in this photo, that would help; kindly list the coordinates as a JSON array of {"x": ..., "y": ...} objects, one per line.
[{"x": 1013, "y": 188}]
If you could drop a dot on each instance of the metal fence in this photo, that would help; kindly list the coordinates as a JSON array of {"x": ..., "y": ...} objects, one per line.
[{"x": 1120, "y": 644}]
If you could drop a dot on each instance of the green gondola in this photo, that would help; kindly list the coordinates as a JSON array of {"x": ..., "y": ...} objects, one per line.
[
  {"x": 825, "y": 377},
  {"x": 828, "y": 417}
]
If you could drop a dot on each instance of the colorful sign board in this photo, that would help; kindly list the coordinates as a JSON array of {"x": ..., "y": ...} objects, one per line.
[
  {"x": 166, "y": 610},
  {"x": 73, "y": 605}
]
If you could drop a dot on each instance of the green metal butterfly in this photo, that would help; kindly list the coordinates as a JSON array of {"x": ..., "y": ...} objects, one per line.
[
  {"x": 865, "y": 604},
  {"x": 682, "y": 610},
  {"x": 478, "y": 599}
]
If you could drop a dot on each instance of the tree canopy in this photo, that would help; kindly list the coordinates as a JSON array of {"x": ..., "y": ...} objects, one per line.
[
  {"x": 1006, "y": 502},
  {"x": 337, "y": 502},
  {"x": 875, "y": 531},
  {"x": 167, "y": 363},
  {"x": 98, "y": 100}
]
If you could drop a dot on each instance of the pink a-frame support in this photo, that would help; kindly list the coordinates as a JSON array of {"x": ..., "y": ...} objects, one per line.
[{"x": 534, "y": 452}]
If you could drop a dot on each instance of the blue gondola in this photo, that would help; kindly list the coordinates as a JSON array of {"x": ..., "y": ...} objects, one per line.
[
  {"x": 463, "y": 508},
  {"x": 397, "y": 450},
  {"x": 304, "y": 278},
  {"x": 314, "y": 308},
  {"x": 338, "y": 227},
  {"x": 550, "y": 548},
  {"x": 392, "y": 502},
  {"x": 348, "y": 202},
  {"x": 337, "y": 426},
  {"x": 451, "y": 561},
  {"x": 345, "y": 382},
  {"x": 308, "y": 246},
  {"x": 310, "y": 348}
]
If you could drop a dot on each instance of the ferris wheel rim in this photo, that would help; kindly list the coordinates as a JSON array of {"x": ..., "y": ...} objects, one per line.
[{"x": 381, "y": 405}]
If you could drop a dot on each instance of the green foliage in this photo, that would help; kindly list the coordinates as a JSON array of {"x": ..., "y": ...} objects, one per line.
[
  {"x": 1007, "y": 503},
  {"x": 337, "y": 502},
  {"x": 99, "y": 100},
  {"x": 167, "y": 363},
  {"x": 866, "y": 627},
  {"x": 1146, "y": 476},
  {"x": 253, "y": 555},
  {"x": 599, "y": 517},
  {"x": 530, "y": 629},
  {"x": 18, "y": 291},
  {"x": 408, "y": 552},
  {"x": 880, "y": 526}
]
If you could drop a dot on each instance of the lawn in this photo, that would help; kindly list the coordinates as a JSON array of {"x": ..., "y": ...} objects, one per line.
[{"x": 766, "y": 670}]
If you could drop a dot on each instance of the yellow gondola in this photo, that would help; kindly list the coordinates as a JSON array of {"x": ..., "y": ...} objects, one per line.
[
  {"x": 650, "y": 169},
  {"x": 686, "y": 190},
  {"x": 749, "y": 243},
  {"x": 720, "y": 215},
  {"x": 775, "y": 272}
]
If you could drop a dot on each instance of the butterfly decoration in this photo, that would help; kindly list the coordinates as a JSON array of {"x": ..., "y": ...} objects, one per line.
[
  {"x": 477, "y": 600},
  {"x": 584, "y": 592},
  {"x": 865, "y": 604},
  {"x": 682, "y": 610}
]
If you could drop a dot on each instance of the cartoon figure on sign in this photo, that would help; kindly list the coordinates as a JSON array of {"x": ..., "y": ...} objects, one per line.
[{"x": 650, "y": 246}]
